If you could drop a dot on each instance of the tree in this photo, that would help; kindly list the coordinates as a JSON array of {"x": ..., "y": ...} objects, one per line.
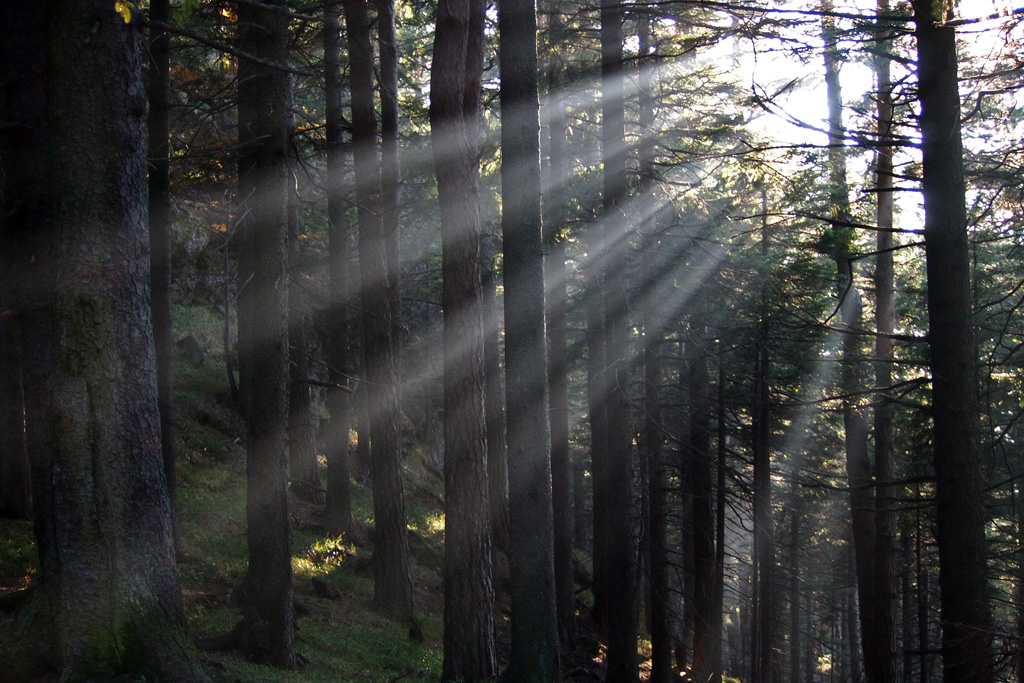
[
  {"x": 469, "y": 648},
  {"x": 338, "y": 515},
  {"x": 763, "y": 638},
  {"x": 159, "y": 95},
  {"x": 534, "y": 656},
  {"x": 877, "y": 643},
  {"x": 884, "y": 626},
  {"x": 267, "y": 630},
  {"x": 622, "y": 654},
  {"x": 378, "y": 266},
  {"x": 556, "y": 274},
  {"x": 658, "y": 598},
  {"x": 108, "y": 602},
  {"x": 966, "y": 620}
]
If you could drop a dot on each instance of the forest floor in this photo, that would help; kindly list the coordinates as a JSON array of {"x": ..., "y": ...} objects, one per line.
[{"x": 338, "y": 633}]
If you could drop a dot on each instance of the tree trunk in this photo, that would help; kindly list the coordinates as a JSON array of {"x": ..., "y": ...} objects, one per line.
[
  {"x": 556, "y": 275},
  {"x": 794, "y": 589},
  {"x": 966, "y": 621},
  {"x": 378, "y": 263},
  {"x": 659, "y": 596},
  {"x": 876, "y": 642},
  {"x": 764, "y": 543},
  {"x": 494, "y": 402},
  {"x": 304, "y": 471},
  {"x": 108, "y": 601},
  {"x": 159, "y": 92},
  {"x": 703, "y": 510},
  {"x": 338, "y": 515},
  {"x": 534, "y": 656},
  {"x": 15, "y": 481},
  {"x": 884, "y": 625},
  {"x": 26, "y": 249},
  {"x": 268, "y": 626},
  {"x": 622, "y": 627},
  {"x": 469, "y": 647},
  {"x": 720, "y": 501}
]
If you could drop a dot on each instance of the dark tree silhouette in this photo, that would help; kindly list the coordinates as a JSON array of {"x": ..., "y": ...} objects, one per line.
[
  {"x": 338, "y": 515},
  {"x": 966, "y": 628},
  {"x": 534, "y": 656},
  {"x": 619, "y": 551},
  {"x": 267, "y": 631},
  {"x": 159, "y": 91}
]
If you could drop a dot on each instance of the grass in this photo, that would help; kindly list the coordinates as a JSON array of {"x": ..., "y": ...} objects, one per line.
[{"x": 341, "y": 637}]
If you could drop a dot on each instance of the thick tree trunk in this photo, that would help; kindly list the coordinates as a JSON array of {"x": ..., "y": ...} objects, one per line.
[
  {"x": 469, "y": 646},
  {"x": 378, "y": 263},
  {"x": 159, "y": 91},
  {"x": 338, "y": 514},
  {"x": 622, "y": 627},
  {"x": 268, "y": 625},
  {"x": 108, "y": 601},
  {"x": 966, "y": 622},
  {"x": 534, "y": 656}
]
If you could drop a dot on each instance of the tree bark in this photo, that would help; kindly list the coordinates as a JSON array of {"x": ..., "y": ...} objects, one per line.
[
  {"x": 966, "y": 621},
  {"x": 703, "y": 510},
  {"x": 159, "y": 92},
  {"x": 876, "y": 641},
  {"x": 469, "y": 646},
  {"x": 884, "y": 625},
  {"x": 378, "y": 264},
  {"x": 338, "y": 514},
  {"x": 108, "y": 601},
  {"x": 268, "y": 624},
  {"x": 556, "y": 275},
  {"x": 534, "y": 656},
  {"x": 303, "y": 469},
  {"x": 622, "y": 627},
  {"x": 763, "y": 640}
]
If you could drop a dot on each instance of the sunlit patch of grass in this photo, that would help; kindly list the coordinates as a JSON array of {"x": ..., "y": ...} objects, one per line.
[{"x": 322, "y": 557}]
